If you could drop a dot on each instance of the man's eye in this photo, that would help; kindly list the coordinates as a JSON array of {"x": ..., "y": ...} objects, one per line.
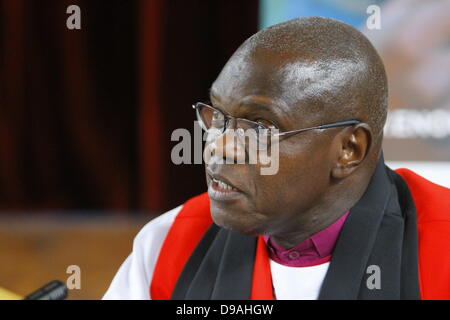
[
  {"x": 217, "y": 116},
  {"x": 265, "y": 124}
]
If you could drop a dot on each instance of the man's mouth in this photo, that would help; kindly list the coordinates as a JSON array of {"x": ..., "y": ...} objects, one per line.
[
  {"x": 221, "y": 190},
  {"x": 222, "y": 186}
]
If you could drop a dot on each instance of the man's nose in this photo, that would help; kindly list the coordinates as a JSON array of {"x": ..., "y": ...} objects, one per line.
[{"x": 229, "y": 147}]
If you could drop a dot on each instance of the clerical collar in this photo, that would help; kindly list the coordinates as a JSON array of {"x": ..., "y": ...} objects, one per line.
[{"x": 315, "y": 250}]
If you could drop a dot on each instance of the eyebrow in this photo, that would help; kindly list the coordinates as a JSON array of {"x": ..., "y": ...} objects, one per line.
[
  {"x": 273, "y": 106},
  {"x": 256, "y": 101},
  {"x": 252, "y": 108}
]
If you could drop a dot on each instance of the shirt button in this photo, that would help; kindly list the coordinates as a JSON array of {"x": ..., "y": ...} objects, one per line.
[{"x": 294, "y": 255}]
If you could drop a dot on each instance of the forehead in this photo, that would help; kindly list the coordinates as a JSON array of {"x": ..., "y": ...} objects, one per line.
[
  {"x": 256, "y": 78},
  {"x": 297, "y": 85},
  {"x": 252, "y": 74}
]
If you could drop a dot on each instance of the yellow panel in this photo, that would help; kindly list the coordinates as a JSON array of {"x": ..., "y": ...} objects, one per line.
[{"x": 8, "y": 295}]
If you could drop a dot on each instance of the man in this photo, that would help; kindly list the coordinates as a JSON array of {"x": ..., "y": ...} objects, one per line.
[{"x": 334, "y": 222}]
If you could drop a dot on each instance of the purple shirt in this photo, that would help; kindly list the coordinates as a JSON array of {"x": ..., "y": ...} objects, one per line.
[{"x": 315, "y": 250}]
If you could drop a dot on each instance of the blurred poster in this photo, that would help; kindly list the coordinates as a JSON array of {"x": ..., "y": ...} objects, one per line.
[{"x": 413, "y": 40}]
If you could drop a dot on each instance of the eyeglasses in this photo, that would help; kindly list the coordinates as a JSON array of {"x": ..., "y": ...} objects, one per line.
[{"x": 212, "y": 119}]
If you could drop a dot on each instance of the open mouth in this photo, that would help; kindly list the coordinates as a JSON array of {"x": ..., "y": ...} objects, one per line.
[
  {"x": 221, "y": 190},
  {"x": 222, "y": 186}
]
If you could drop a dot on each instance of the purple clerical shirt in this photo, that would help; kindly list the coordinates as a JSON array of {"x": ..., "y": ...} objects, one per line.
[{"x": 315, "y": 250}]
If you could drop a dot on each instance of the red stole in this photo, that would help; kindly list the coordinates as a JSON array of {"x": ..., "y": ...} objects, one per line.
[
  {"x": 433, "y": 218},
  {"x": 433, "y": 222}
]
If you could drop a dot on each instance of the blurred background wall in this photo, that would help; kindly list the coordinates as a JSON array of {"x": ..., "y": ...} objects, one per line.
[
  {"x": 413, "y": 40},
  {"x": 86, "y": 116}
]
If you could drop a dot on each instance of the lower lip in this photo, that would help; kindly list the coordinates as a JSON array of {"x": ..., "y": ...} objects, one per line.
[{"x": 219, "y": 194}]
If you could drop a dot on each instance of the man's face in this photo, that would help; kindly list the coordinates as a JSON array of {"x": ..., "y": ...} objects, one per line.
[{"x": 263, "y": 88}]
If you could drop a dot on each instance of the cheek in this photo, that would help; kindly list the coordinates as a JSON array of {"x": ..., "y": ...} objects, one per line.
[{"x": 302, "y": 177}]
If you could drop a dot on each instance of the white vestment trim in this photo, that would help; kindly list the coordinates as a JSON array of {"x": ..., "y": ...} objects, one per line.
[{"x": 132, "y": 281}]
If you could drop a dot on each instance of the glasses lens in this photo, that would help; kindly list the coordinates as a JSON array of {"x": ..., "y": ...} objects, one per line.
[
  {"x": 253, "y": 133},
  {"x": 247, "y": 130},
  {"x": 247, "y": 127},
  {"x": 209, "y": 117}
]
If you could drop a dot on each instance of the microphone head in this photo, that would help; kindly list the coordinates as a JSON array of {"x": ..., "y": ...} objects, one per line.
[{"x": 55, "y": 290}]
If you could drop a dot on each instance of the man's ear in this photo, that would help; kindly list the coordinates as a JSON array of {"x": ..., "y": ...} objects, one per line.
[{"x": 354, "y": 144}]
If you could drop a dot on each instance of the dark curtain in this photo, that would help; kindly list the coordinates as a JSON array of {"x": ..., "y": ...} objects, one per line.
[
  {"x": 67, "y": 109},
  {"x": 200, "y": 36},
  {"x": 86, "y": 115}
]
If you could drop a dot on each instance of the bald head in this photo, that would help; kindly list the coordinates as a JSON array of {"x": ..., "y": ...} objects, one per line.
[{"x": 324, "y": 67}]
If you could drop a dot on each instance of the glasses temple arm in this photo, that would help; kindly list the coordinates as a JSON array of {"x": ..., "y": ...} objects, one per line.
[{"x": 323, "y": 126}]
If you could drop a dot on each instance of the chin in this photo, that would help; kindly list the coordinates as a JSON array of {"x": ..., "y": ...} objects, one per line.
[{"x": 235, "y": 222}]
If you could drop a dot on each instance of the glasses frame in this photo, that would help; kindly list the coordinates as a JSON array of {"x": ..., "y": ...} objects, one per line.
[{"x": 228, "y": 117}]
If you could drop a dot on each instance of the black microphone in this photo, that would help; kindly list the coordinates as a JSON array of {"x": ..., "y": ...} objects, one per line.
[{"x": 55, "y": 290}]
